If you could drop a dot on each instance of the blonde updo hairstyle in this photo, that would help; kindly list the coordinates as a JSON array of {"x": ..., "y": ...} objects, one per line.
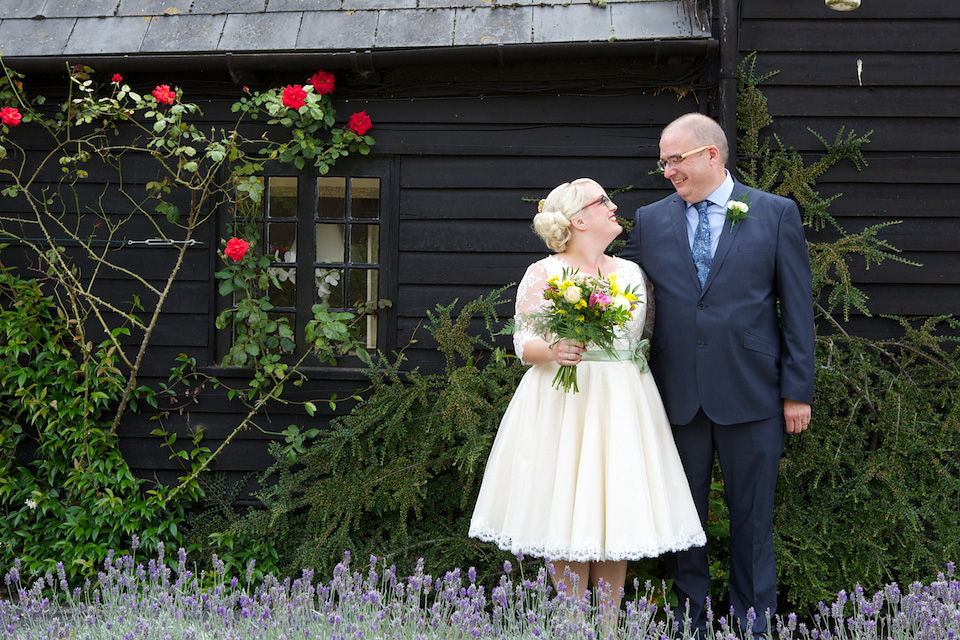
[{"x": 559, "y": 209}]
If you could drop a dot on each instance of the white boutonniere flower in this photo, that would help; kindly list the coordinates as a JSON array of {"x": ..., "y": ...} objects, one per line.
[{"x": 737, "y": 210}]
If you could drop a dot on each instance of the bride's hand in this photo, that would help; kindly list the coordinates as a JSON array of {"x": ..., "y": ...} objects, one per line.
[{"x": 567, "y": 353}]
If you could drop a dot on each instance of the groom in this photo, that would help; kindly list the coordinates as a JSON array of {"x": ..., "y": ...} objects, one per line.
[{"x": 732, "y": 348}]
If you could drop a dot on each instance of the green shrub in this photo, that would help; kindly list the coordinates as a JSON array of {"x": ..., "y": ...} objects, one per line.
[
  {"x": 399, "y": 475},
  {"x": 66, "y": 493},
  {"x": 871, "y": 493}
]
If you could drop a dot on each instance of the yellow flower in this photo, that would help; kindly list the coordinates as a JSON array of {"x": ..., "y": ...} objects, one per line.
[{"x": 580, "y": 304}]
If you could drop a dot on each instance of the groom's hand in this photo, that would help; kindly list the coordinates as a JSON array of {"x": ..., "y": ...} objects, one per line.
[{"x": 796, "y": 415}]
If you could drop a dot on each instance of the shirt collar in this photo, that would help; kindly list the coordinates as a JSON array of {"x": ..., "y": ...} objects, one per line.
[{"x": 721, "y": 195}]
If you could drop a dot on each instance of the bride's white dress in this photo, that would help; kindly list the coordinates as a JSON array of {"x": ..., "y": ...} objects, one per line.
[{"x": 588, "y": 476}]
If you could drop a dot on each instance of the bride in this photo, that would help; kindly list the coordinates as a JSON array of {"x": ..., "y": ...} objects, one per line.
[{"x": 592, "y": 479}]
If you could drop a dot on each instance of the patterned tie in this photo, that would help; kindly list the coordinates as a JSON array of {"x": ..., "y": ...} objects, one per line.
[{"x": 702, "y": 258}]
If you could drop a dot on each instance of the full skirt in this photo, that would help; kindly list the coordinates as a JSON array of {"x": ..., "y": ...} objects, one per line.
[{"x": 588, "y": 476}]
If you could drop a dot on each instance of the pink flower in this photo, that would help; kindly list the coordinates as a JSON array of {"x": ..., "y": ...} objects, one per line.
[
  {"x": 359, "y": 123},
  {"x": 10, "y": 116},
  {"x": 293, "y": 96},
  {"x": 322, "y": 82},
  {"x": 600, "y": 299},
  {"x": 117, "y": 78},
  {"x": 163, "y": 94},
  {"x": 236, "y": 249}
]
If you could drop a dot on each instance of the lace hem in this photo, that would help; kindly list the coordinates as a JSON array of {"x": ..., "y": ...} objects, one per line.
[{"x": 590, "y": 552}]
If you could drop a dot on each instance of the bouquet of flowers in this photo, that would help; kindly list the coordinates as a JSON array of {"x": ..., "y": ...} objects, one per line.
[{"x": 586, "y": 309}]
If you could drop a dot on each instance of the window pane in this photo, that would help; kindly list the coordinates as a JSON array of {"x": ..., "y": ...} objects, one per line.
[
  {"x": 248, "y": 214},
  {"x": 330, "y": 242},
  {"x": 331, "y": 198},
  {"x": 364, "y": 243},
  {"x": 282, "y": 241},
  {"x": 329, "y": 287},
  {"x": 365, "y": 195},
  {"x": 286, "y": 295},
  {"x": 282, "y": 199},
  {"x": 363, "y": 287}
]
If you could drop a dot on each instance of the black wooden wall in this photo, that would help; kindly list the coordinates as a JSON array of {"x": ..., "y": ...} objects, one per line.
[
  {"x": 467, "y": 144},
  {"x": 908, "y": 93}
]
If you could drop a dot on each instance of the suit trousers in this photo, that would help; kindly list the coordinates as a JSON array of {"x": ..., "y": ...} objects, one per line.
[{"x": 749, "y": 455}]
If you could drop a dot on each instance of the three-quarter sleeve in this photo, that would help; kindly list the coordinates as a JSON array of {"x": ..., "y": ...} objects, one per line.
[
  {"x": 651, "y": 307},
  {"x": 529, "y": 300}
]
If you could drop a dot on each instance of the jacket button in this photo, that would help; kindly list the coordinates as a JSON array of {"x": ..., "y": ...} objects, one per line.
[
  {"x": 699, "y": 343},
  {"x": 701, "y": 306}
]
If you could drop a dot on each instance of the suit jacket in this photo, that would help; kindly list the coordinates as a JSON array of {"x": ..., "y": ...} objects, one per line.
[{"x": 744, "y": 342}]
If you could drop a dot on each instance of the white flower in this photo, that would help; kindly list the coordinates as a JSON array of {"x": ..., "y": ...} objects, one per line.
[
  {"x": 31, "y": 503},
  {"x": 326, "y": 279},
  {"x": 621, "y": 302},
  {"x": 737, "y": 210},
  {"x": 286, "y": 274},
  {"x": 572, "y": 294},
  {"x": 737, "y": 205}
]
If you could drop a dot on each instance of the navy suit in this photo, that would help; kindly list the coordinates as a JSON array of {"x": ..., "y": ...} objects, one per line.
[{"x": 724, "y": 358}]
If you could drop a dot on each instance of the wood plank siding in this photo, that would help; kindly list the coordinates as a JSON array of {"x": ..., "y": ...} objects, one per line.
[
  {"x": 906, "y": 92},
  {"x": 467, "y": 144}
]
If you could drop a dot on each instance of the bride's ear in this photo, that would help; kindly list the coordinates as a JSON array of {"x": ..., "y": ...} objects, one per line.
[{"x": 579, "y": 223}]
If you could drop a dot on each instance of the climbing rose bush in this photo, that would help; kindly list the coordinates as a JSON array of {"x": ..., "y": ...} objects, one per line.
[
  {"x": 359, "y": 123},
  {"x": 236, "y": 249},
  {"x": 294, "y": 96},
  {"x": 10, "y": 116},
  {"x": 163, "y": 94},
  {"x": 322, "y": 82}
]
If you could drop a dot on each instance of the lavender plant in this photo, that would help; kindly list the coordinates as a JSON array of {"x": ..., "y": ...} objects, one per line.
[{"x": 133, "y": 600}]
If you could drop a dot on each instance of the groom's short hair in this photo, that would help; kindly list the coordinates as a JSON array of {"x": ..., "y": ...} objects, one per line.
[{"x": 704, "y": 130}]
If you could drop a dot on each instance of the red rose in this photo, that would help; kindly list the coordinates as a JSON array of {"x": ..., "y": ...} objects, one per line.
[
  {"x": 359, "y": 123},
  {"x": 163, "y": 94},
  {"x": 293, "y": 96},
  {"x": 117, "y": 78},
  {"x": 322, "y": 82},
  {"x": 10, "y": 116},
  {"x": 236, "y": 248}
]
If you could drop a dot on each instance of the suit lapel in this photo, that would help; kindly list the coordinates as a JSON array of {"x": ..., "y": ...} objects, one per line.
[
  {"x": 727, "y": 237},
  {"x": 678, "y": 220}
]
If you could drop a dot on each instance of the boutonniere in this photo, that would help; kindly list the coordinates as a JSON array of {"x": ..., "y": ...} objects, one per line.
[{"x": 737, "y": 209}]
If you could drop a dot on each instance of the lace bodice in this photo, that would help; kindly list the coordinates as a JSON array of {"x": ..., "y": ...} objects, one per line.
[{"x": 530, "y": 300}]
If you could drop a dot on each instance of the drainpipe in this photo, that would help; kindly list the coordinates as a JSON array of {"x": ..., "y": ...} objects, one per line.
[{"x": 728, "y": 14}]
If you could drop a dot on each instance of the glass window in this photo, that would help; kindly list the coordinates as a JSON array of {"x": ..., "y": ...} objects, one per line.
[{"x": 330, "y": 226}]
